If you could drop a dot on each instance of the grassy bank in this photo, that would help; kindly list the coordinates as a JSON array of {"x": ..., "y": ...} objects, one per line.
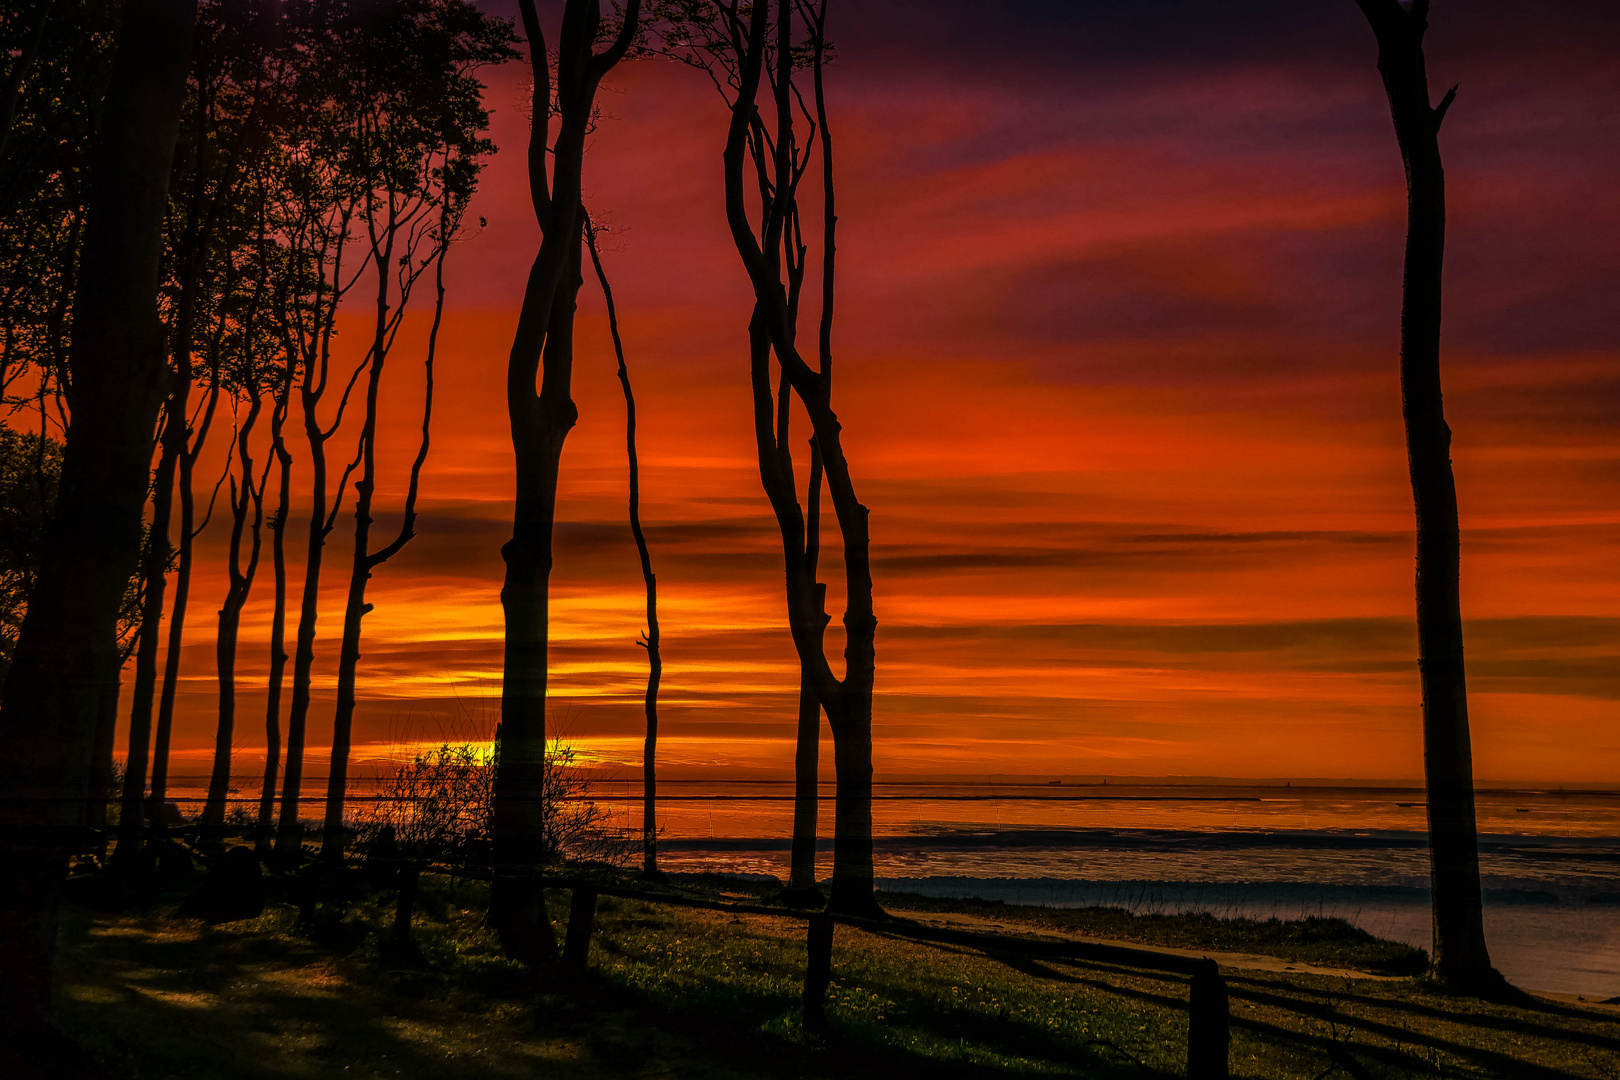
[{"x": 678, "y": 992}]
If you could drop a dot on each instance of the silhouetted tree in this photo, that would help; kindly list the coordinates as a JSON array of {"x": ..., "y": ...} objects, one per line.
[
  {"x": 650, "y": 639},
  {"x": 30, "y": 467},
  {"x": 540, "y": 422},
  {"x": 66, "y": 651},
  {"x": 264, "y": 834},
  {"x": 1460, "y": 956},
  {"x": 419, "y": 127},
  {"x": 320, "y": 195},
  {"x": 58, "y": 55},
  {"x": 228, "y": 125},
  {"x": 743, "y": 47},
  {"x": 248, "y": 373}
]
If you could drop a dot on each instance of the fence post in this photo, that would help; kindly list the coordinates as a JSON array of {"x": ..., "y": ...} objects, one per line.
[
  {"x": 1209, "y": 1034},
  {"x": 817, "y": 972},
  {"x": 581, "y": 918}
]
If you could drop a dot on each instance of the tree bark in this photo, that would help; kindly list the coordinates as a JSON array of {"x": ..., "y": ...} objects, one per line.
[
  {"x": 316, "y": 355},
  {"x": 251, "y": 495},
  {"x": 188, "y": 450},
  {"x": 1460, "y": 955},
  {"x": 265, "y": 833},
  {"x": 155, "y": 568},
  {"x": 289, "y": 835},
  {"x": 847, "y": 701},
  {"x": 650, "y": 641},
  {"x": 540, "y": 422},
  {"x": 366, "y": 560},
  {"x": 62, "y": 665}
]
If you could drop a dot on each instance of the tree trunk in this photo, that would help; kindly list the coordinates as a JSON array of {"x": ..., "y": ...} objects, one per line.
[
  {"x": 650, "y": 642},
  {"x": 540, "y": 422},
  {"x": 1460, "y": 955},
  {"x": 63, "y": 661},
  {"x": 265, "y": 833},
  {"x": 289, "y": 835},
  {"x": 230, "y": 622},
  {"x": 806, "y": 786},
  {"x": 848, "y": 702},
  {"x": 366, "y": 560},
  {"x": 155, "y": 568},
  {"x": 175, "y": 439}
]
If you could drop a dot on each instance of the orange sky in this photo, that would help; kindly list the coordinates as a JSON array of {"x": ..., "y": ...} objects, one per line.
[{"x": 1116, "y": 364}]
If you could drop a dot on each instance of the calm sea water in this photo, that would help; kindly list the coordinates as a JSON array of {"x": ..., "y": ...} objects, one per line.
[{"x": 1550, "y": 859}]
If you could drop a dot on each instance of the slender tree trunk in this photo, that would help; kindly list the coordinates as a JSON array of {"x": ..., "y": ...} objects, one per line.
[
  {"x": 289, "y": 833},
  {"x": 366, "y": 560},
  {"x": 63, "y": 661},
  {"x": 175, "y": 439},
  {"x": 265, "y": 833},
  {"x": 848, "y": 702},
  {"x": 182, "y": 577},
  {"x": 1460, "y": 955},
  {"x": 355, "y": 606},
  {"x": 540, "y": 422},
  {"x": 650, "y": 641},
  {"x": 250, "y": 497},
  {"x": 155, "y": 569},
  {"x": 806, "y": 786}
]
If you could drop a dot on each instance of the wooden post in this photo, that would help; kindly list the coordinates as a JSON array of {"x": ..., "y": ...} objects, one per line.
[
  {"x": 1209, "y": 1034},
  {"x": 581, "y": 918},
  {"x": 817, "y": 972}
]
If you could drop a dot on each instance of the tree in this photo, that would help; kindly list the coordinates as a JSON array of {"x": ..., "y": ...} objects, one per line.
[
  {"x": 1461, "y": 959},
  {"x": 229, "y": 123},
  {"x": 650, "y": 639},
  {"x": 264, "y": 834},
  {"x": 67, "y": 647},
  {"x": 60, "y": 52},
  {"x": 30, "y": 468},
  {"x": 249, "y": 373},
  {"x": 417, "y": 124},
  {"x": 540, "y": 421},
  {"x": 742, "y": 48},
  {"x": 319, "y": 192}
]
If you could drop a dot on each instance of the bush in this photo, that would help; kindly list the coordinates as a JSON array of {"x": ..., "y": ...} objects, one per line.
[{"x": 438, "y": 807}]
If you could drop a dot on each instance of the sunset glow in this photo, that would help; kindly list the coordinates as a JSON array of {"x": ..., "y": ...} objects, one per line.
[{"x": 1115, "y": 359}]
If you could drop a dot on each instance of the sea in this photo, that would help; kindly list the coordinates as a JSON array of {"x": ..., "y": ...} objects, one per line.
[{"x": 1549, "y": 857}]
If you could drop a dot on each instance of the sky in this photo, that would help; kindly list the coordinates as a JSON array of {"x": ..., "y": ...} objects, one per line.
[{"x": 1117, "y": 327}]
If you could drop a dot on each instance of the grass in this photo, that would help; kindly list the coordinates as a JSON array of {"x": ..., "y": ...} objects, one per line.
[
  {"x": 679, "y": 992},
  {"x": 1316, "y": 940}
]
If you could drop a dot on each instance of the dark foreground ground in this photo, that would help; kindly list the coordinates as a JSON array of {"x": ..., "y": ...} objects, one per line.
[{"x": 676, "y": 992}]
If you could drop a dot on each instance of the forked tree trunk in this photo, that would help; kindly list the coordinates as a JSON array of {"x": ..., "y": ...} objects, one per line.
[
  {"x": 289, "y": 834},
  {"x": 1460, "y": 956},
  {"x": 847, "y": 701},
  {"x": 265, "y": 832},
  {"x": 316, "y": 359},
  {"x": 155, "y": 571},
  {"x": 250, "y": 496},
  {"x": 189, "y": 450},
  {"x": 63, "y": 661},
  {"x": 650, "y": 641},
  {"x": 807, "y": 751},
  {"x": 365, "y": 560},
  {"x": 540, "y": 422}
]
